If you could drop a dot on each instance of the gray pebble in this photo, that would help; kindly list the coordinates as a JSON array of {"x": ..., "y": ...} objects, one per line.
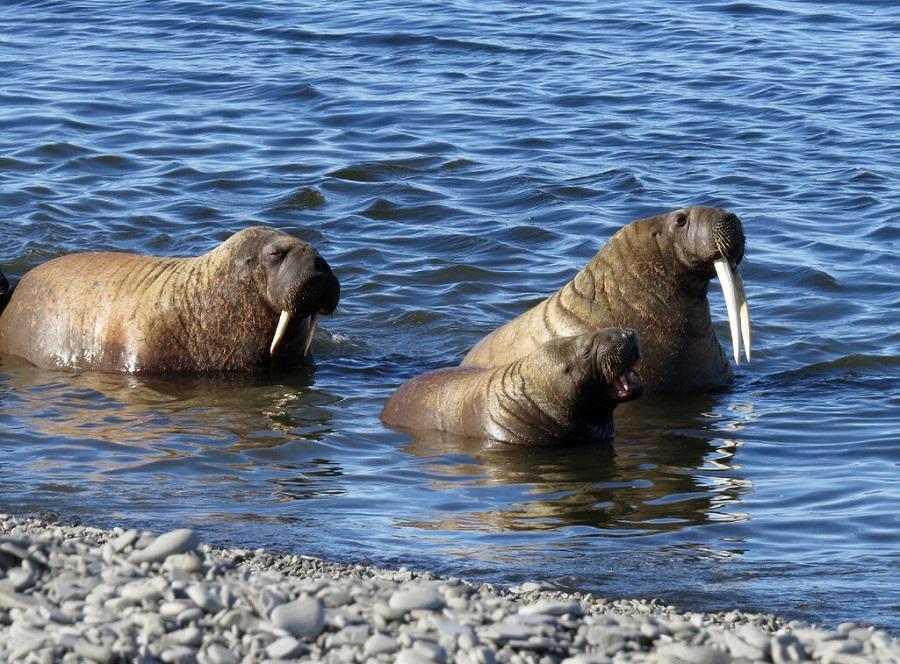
[
  {"x": 412, "y": 656},
  {"x": 124, "y": 540},
  {"x": 189, "y": 636},
  {"x": 303, "y": 618},
  {"x": 740, "y": 648},
  {"x": 553, "y": 608},
  {"x": 416, "y": 597},
  {"x": 505, "y": 631},
  {"x": 217, "y": 654},
  {"x": 138, "y": 591},
  {"x": 95, "y": 653},
  {"x": 76, "y": 590},
  {"x": 680, "y": 653},
  {"x": 178, "y": 655},
  {"x": 10, "y": 599},
  {"x": 380, "y": 644},
  {"x": 431, "y": 650},
  {"x": 202, "y": 596},
  {"x": 174, "y": 541},
  {"x": 284, "y": 648}
]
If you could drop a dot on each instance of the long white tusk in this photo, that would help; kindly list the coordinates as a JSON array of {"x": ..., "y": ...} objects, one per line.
[
  {"x": 723, "y": 269},
  {"x": 279, "y": 331},
  {"x": 313, "y": 321},
  {"x": 745, "y": 311}
]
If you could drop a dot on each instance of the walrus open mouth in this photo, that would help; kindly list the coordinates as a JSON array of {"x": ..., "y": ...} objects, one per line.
[
  {"x": 736, "y": 304},
  {"x": 282, "y": 328},
  {"x": 628, "y": 386}
]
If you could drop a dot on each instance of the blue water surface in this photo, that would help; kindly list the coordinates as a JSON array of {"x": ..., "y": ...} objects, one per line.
[{"x": 456, "y": 162}]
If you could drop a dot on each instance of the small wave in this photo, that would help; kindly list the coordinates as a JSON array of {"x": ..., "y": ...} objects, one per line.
[{"x": 847, "y": 367}]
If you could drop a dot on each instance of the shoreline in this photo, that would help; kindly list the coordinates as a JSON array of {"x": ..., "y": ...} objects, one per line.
[{"x": 78, "y": 593}]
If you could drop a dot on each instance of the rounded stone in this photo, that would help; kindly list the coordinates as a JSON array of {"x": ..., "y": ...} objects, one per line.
[
  {"x": 380, "y": 644},
  {"x": 552, "y": 608},
  {"x": 218, "y": 654},
  {"x": 284, "y": 648},
  {"x": 174, "y": 541},
  {"x": 416, "y": 597},
  {"x": 303, "y": 618}
]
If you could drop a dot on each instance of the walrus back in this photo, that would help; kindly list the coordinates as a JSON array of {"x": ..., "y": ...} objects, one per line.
[
  {"x": 445, "y": 399},
  {"x": 69, "y": 313},
  {"x": 579, "y": 307}
]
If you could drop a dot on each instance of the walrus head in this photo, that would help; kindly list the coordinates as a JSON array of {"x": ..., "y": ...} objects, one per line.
[
  {"x": 607, "y": 363},
  {"x": 295, "y": 281},
  {"x": 598, "y": 372},
  {"x": 709, "y": 242}
]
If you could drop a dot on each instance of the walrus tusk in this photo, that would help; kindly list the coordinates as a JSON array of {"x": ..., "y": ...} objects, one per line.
[
  {"x": 726, "y": 278},
  {"x": 279, "y": 331},
  {"x": 313, "y": 320},
  {"x": 745, "y": 311}
]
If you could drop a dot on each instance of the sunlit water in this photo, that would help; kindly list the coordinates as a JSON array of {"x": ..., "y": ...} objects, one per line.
[{"x": 456, "y": 162}]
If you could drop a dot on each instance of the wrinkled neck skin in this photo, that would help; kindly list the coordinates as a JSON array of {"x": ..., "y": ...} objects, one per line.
[
  {"x": 138, "y": 314},
  {"x": 635, "y": 281},
  {"x": 534, "y": 407},
  {"x": 207, "y": 298}
]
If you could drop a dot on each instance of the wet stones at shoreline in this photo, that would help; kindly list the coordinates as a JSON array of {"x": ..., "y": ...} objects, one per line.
[{"x": 74, "y": 594}]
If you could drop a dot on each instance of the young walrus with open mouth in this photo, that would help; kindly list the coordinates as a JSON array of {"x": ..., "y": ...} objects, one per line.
[{"x": 564, "y": 392}]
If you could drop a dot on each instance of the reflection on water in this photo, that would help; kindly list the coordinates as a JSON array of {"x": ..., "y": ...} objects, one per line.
[
  {"x": 117, "y": 423},
  {"x": 665, "y": 472},
  {"x": 234, "y": 410},
  {"x": 455, "y": 167}
]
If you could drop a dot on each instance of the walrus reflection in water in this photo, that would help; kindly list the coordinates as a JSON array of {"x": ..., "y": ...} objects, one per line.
[
  {"x": 251, "y": 303},
  {"x": 653, "y": 276},
  {"x": 563, "y": 392}
]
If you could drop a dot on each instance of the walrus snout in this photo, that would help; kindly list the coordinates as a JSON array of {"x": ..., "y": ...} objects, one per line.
[
  {"x": 616, "y": 354},
  {"x": 304, "y": 286},
  {"x": 728, "y": 235}
]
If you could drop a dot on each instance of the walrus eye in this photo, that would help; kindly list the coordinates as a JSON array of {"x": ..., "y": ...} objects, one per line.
[{"x": 681, "y": 219}]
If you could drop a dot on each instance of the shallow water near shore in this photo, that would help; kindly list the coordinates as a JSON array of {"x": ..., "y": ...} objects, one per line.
[{"x": 455, "y": 164}]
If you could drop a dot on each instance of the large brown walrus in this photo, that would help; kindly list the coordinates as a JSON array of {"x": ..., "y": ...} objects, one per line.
[
  {"x": 653, "y": 276},
  {"x": 251, "y": 303},
  {"x": 563, "y": 392}
]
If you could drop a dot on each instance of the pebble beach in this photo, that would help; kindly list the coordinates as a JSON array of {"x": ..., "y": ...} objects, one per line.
[{"x": 82, "y": 594}]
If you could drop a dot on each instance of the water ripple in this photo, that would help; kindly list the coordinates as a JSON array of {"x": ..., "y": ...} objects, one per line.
[{"x": 455, "y": 164}]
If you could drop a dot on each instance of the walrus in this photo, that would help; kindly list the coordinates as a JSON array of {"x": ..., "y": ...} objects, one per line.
[
  {"x": 564, "y": 392},
  {"x": 652, "y": 275},
  {"x": 249, "y": 304},
  {"x": 5, "y": 292}
]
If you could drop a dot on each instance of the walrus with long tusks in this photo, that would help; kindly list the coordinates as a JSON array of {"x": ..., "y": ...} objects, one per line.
[
  {"x": 653, "y": 276},
  {"x": 563, "y": 392},
  {"x": 250, "y": 303}
]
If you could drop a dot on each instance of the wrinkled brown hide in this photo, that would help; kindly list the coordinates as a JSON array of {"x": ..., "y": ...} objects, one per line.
[
  {"x": 141, "y": 314},
  {"x": 562, "y": 393},
  {"x": 652, "y": 276}
]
